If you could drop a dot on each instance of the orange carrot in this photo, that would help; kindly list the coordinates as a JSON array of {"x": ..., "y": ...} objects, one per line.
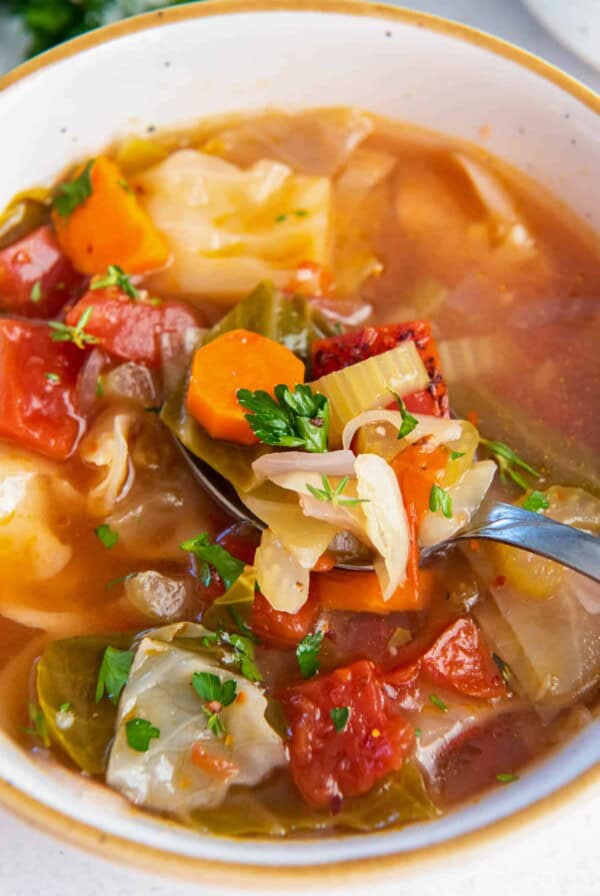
[
  {"x": 419, "y": 467},
  {"x": 360, "y": 592},
  {"x": 236, "y": 360},
  {"x": 110, "y": 227}
]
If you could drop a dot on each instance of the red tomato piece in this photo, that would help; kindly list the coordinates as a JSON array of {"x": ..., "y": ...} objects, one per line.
[
  {"x": 130, "y": 328},
  {"x": 282, "y": 629},
  {"x": 337, "y": 352},
  {"x": 459, "y": 659},
  {"x": 38, "y": 404},
  {"x": 328, "y": 765},
  {"x": 36, "y": 279}
]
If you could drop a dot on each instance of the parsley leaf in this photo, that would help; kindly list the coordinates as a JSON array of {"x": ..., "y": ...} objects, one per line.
[
  {"x": 454, "y": 455},
  {"x": 107, "y": 536},
  {"x": 509, "y": 463},
  {"x": 38, "y": 721},
  {"x": 536, "y": 501},
  {"x": 113, "y": 674},
  {"x": 228, "y": 566},
  {"x": 339, "y": 717},
  {"x": 505, "y": 670},
  {"x": 53, "y": 378},
  {"x": 506, "y": 777},
  {"x": 437, "y": 701},
  {"x": 214, "y": 722},
  {"x": 244, "y": 654},
  {"x": 61, "y": 332},
  {"x": 74, "y": 192},
  {"x": 116, "y": 276},
  {"x": 211, "y": 689},
  {"x": 334, "y": 496},
  {"x": 408, "y": 421},
  {"x": 439, "y": 499},
  {"x": 298, "y": 419},
  {"x": 100, "y": 387},
  {"x": 139, "y": 733},
  {"x": 307, "y": 654},
  {"x": 36, "y": 292}
]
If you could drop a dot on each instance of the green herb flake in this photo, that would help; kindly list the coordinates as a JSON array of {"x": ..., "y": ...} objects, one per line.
[
  {"x": 113, "y": 674},
  {"x": 124, "y": 185},
  {"x": 339, "y": 717},
  {"x": 418, "y": 733},
  {"x": 210, "y": 555},
  {"x": 301, "y": 212},
  {"x": 212, "y": 689},
  {"x": 505, "y": 670},
  {"x": 39, "y": 727},
  {"x": 408, "y": 421},
  {"x": 454, "y": 455},
  {"x": 244, "y": 653},
  {"x": 139, "y": 733},
  {"x": 116, "y": 277},
  {"x": 36, "y": 292},
  {"x": 214, "y": 722},
  {"x": 100, "y": 387},
  {"x": 119, "y": 580},
  {"x": 535, "y": 502},
  {"x": 507, "y": 777},
  {"x": 307, "y": 654},
  {"x": 74, "y": 192},
  {"x": 293, "y": 419},
  {"x": 509, "y": 463},
  {"x": 64, "y": 707},
  {"x": 439, "y": 499},
  {"x": 334, "y": 496},
  {"x": 107, "y": 536},
  {"x": 280, "y": 218},
  {"x": 52, "y": 377},
  {"x": 438, "y": 702},
  {"x": 60, "y": 332}
]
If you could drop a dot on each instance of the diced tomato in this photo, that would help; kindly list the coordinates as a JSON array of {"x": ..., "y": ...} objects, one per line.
[
  {"x": 328, "y": 765},
  {"x": 130, "y": 328},
  {"x": 38, "y": 405},
  {"x": 459, "y": 659},
  {"x": 418, "y": 468},
  {"x": 337, "y": 352},
  {"x": 311, "y": 279},
  {"x": 282, "y": 629},
  {"x": 36, "y": 279}
]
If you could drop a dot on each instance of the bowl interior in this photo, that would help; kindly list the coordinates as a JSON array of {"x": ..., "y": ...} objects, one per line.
[{"x": 216, "y": 58}]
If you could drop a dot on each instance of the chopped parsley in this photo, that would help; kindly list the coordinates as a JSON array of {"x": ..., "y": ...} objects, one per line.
[
  {"x": 438, "y": 702},
  {"x": 120, "y": 579},
  {"x": 39, "y": 727},
  {"x": 298, "y": 419},
  {"x": 507, "y": 777},
  {"x": 505, "y": 670},
  {"x": 107, "y": 536},
  {"x": 334, "y": 495},
  {"x": 418, "y": 733},
  {"x": 439, "y": 499},
  {"x": 100, "y": 387},
  {"x": 454, "y": 455},
  {"x": 298, "y": 212},
  {"x": 216, "y": 694},
  {"x": 116, "y": 276},
  {"x": 64, "y": 707},
  {"x": 536, "y": 501},
  {"x": 408, "y": 421},
  {"x": 509, "y": 463},
  {"x": 339, "y": 717},
  {"x": 124, "y": 185},
  {"x": 139, "y": 733},
  {"x": 307, "y": 654},
  {"x": 61, "y": 332},
  {"x": 113, "y": 674},
  {"x": 243, "y": 649},
  {"x": 74, "y": 192},
  {"x": 52, "y": 377},
  {"x": 210, "y": 555},
  {"x": 36, "y": 292}
]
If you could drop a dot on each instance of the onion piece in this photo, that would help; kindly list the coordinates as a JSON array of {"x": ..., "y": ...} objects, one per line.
[
  {"x": 282, "y": 580},
  {"x": 155, "y": 595},
  {"x": 133, "y": 381},
  {"x": 466, "y": 496},
  {"x": 439, "y": 429},
  {"x": 87, "y": 380},
  {"x": 176, "y": 350},
  {"x": 332, "y": 463}
]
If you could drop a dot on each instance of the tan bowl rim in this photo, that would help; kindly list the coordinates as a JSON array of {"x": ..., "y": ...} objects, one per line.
[{"x": 257, "y": 876}]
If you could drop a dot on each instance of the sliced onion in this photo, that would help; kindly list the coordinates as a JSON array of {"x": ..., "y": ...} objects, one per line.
[
  {"x": 344, "y": 519},
  {"x": 155, "y": 595},
  {"x": 87, "y": 380},
  {"x": 176, "y": 350},
  {"x": 331, "y": 463},
  {"x": 586, "y": 591},
  {"x": 439, "y": 429},
  {"x": 282, "y": 580},
  {"x": 466, "y": 496},
  {"x": 133, "y": 381}
]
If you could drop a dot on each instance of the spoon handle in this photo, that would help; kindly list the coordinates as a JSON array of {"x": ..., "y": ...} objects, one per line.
[{"x": 539, "y": 534}]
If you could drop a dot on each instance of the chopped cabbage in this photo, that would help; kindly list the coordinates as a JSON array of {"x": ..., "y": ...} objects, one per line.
[
  {"x": 466, "y": 496},
  {"x": 106, "y": 445},
  {"x": 282, "y": 580}
]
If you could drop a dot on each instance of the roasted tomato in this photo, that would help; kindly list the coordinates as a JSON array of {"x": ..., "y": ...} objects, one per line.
[
  {"x": 130, "y": 328},
  {"x": 336, "y": 352},
  {"x": 459, "y": 659},
  {"x": 36, "y": 279},
  {"x": 344, "y": 754},
  {"x": 282, "y": 629},
  {"x": 38, "y": 405}
]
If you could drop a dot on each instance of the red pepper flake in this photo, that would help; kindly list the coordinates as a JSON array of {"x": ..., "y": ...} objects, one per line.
[
  {"x": 474, "y": 545},
  {"x": 473, "y": 417},
  {"x": 499, "y": 581}
]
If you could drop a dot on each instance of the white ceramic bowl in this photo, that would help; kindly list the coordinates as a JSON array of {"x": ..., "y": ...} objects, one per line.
[
  {"x": 167, "y": 69},
  {"x": 575, "y": 23}
]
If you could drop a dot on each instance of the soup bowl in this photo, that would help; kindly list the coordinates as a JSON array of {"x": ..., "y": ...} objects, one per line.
[{"x": 166, "y": 70}]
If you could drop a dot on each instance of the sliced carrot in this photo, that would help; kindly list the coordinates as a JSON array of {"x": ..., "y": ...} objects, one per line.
[
  {"x": 236, "y": 360},
  {"x": 419, "y": 467},
  {"x": 360, "y": 592},
  {"x": 325, "y": 562},
  {"x": 110, "y": 227}
]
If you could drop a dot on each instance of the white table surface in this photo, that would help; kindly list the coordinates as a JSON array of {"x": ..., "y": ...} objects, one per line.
[{"x": 558, "y": 856}]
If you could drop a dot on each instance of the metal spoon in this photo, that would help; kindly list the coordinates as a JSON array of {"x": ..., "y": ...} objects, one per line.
[{"x": 495, "y": 522}]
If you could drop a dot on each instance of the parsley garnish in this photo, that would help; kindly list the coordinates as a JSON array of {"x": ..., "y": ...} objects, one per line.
[
  {"x": 38, "y": 721},
  {"x": 139, "y": 733},
  {"x": 74, "y": 192},
  {"x": 298, "y": 419},
  {"x": 244, "y": 654},
  {"x": 509, "y": 463},
  {"x": 52, "y": 377},
  {"x": 334, "y": 496},
  {"x": 454, "y": 455},
  {"x": 437, "y": 701},
  {"x": 339, "y": 717},
  {"x": 505, "y": 670},
  {"x": 536, "y": 501},
  {"x": 408, "y": 421},
  {"x": 298, "y": 212},
  {"x": 113, "y": 674},
  {"x": 228, "y": 566},
  {"x": 116, "y": 276},
  {"x": 107, "y": 536},
  {"x": 418, "y": 733},
  {"x": 65, "y": 707},
  {"x": 439, "y": 499},
  {"x": 124, "y": 185},
  {"x": 216, "y": 694},
  {"x": 506, "y": 777},
  {"x": 36, "y": 292},
  {"x": 100, "y": 387},
  {"x": 64, "y": 333},
  {"x": 307, "y": 654}
]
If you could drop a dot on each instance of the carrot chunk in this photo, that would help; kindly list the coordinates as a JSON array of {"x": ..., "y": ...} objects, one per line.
[
  {"x": 237, "y": 360},
  {"x": 110, "y": 227},
  {"x": 360, "y": 592}
]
